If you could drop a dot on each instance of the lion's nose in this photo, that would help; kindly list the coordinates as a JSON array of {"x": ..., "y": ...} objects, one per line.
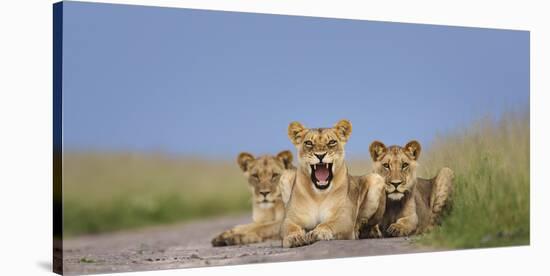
[
  {"x": 320, "y": 156},
  {"x": 396, "y": 183},
  {"x": 264, "y": 193}
]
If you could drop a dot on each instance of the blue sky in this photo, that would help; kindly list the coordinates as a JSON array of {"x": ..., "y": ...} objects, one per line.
[{"x": 213, "y": 83}]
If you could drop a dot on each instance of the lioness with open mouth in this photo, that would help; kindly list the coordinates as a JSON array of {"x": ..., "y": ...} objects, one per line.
[{"x": 325, "y": 200}]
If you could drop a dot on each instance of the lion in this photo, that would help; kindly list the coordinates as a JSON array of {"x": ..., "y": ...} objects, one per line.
[
  {"x": 326, "y": 202},
  {"x": 414, "y": 205},
  {"x": 264, "y": 174}
]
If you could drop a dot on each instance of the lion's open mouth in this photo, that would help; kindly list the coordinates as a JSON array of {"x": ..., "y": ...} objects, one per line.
[{"x": 321, "y": 175}]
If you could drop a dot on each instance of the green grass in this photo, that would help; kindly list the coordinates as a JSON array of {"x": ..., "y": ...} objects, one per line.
[
  {"x": 491, "y": 200},
  {"x": 112, "y": 191}
]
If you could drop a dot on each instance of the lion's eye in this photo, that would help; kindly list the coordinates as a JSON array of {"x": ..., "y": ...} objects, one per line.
[
  {"x": 386, "y": 165},
  {"x": 332, "y": 143},
  {"x": 308, "y": 144},
  {"x": 274, "y": 176},
  {"x": 255, "y": 176},
  {"x": 405, "y": 165}
]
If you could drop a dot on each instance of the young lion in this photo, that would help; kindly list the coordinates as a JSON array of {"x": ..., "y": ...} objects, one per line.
[
  {"x": 413, "y": 204},
  {"x": 263, "y": 175},
  {"x": 325, "y": 199}
]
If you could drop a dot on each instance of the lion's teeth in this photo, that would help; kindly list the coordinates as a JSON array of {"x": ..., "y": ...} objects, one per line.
[
  {"x": 326, "y": 165},
  {"x": 314, "y": 166}
]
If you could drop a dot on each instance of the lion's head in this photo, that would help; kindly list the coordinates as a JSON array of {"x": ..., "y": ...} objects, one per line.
[
  {"x": 263, "y": 175},
  {"x": 397, "y": 165},
  {"x": 320, "y": 150}
]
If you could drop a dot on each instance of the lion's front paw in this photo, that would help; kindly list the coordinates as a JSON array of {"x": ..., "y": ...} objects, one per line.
[
  {"x": 294, "y": 240},
  {"x": 397, "y": 230},
  {"x": 250, "y": 238},
  {"x": 231, "y": 237},
  {"x": 319, "y": 234},
  {"x": 224, "y": 239}
]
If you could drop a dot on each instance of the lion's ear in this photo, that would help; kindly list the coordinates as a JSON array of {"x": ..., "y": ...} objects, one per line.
[
  {"x": 296, "y": 132},
  {"x": 413, "y": 148},
  {"x": 286, "y": 157},
  {"x": 343, "y": 130},
  {"x": 377, "y": 149},
  {"x": 244, "y": 160}
]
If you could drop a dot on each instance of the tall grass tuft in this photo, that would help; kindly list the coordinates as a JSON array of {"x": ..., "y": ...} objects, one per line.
[{"x": 491, "y": 196}]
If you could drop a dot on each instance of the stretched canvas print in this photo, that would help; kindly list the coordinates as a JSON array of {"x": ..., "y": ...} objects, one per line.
[{"x": 191, "y": 138}]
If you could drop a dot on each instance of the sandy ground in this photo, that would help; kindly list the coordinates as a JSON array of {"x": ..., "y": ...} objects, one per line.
[{"x": 188, "y": 245}]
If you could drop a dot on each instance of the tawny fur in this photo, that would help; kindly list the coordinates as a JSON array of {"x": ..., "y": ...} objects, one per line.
[
  {"x": 371, "y": 200},
  {"x": 413, "y": 205},
  {"x": 264, "y": 174},
  {"x": 315, "y": 214}
]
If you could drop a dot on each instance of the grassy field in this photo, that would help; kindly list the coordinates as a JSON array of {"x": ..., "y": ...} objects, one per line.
[
  {"x": 491, "y": 201},
  {"x": 112, "y": 191}
]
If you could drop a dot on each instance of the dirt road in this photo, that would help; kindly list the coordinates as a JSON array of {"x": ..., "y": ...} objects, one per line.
[{"x": 188, "y": 245}]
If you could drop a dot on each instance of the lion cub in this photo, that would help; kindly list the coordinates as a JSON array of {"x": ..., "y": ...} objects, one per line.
[
  {"x": 413, "y": 204},
  {"x": 263, "y": 175},
  {"x": 325, "y": 200}
]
